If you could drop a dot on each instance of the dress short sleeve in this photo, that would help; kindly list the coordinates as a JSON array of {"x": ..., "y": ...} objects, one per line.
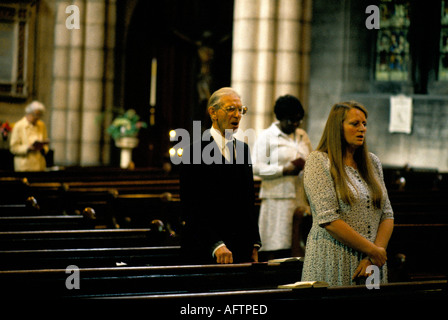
[
  {"x": 387, "y": 212},
  {"x": 320, "y": 189}
]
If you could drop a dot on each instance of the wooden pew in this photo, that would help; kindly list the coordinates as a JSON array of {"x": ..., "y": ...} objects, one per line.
[
  {"x": 420, "y": 232},
  {"x": 413, "y": 179},
  {"x": 58, "y": 200},
  {"x": 120, "y": 186},
  {"x": 30, "y": 223},
  {"x": 88, "y": 257},
  {"x": 419, "y": 290},
  {"x": 240, "y": 282},
  {"x": 417, "y": 207},
  {"x": 118, "y": 281},
  {"x": 58, "y": 191},
  {"x": 29, "y": 207},
  {"x": 71, "y": 239},
  {"x": 140, "y": 210},
  {"x": 94, "y": 173},
  {"x": 129, "y": 186},
  {"x": 14, "y": 190},
  {"x": 423, "y": 246},
  {"x": 110, "y": 199},
  {"x": 55, "y": 199}
]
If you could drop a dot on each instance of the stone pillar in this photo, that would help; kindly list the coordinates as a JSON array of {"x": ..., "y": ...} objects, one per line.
[
  {"x": 82, "y": 81},
  {"x": 270, "y": 55}
]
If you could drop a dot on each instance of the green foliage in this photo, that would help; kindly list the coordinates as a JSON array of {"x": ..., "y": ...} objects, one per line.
[{"x": 126, "y": 125}]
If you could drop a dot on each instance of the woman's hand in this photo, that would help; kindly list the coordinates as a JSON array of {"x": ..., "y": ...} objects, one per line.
[
  {"x": 378, "y": 256},
  {"x": 342, "y": 232},
  {"x": 361, "y": 270}
]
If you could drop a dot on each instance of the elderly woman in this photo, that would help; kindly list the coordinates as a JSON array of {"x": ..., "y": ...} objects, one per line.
[
  {"x": 29, "y": 140},
  {"x": 352, "y": 215},
  {"x": 278, "y": 157}
]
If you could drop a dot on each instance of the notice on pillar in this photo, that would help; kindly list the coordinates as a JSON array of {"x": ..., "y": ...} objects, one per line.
[{"x": 400, "y": 114}]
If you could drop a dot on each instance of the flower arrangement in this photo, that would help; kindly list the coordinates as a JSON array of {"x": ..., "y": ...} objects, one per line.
[
  {"x": 5, "y": 129},
  {"x": 127, "y": 124}
]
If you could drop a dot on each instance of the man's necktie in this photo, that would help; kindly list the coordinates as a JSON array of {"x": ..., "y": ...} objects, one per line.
[{"x": 232, "y": 151}]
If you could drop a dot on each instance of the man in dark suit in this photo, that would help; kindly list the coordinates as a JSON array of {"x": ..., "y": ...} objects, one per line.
[{"x": 217, "y": 189}]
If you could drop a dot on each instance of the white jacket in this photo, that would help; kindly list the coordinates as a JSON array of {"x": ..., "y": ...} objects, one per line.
[{"x": 272, "y": 151}]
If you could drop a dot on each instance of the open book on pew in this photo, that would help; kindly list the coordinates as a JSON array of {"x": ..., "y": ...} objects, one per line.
[
  {"x": 282, "y": 260},
  {"x": 304, "y": 284}
]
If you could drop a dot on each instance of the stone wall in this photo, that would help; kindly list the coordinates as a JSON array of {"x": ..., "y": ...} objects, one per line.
[{"x": 342, "y": 56}]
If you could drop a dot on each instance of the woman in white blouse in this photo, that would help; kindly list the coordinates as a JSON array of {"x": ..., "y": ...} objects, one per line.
[{"x": 278, "y": 158}]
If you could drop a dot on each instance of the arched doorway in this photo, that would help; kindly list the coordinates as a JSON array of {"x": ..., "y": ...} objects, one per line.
[{"x": 173, "y": 32}]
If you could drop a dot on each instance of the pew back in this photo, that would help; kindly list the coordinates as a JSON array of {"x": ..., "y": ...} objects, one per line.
[
  {"x": 88, "y": 257},
  {"x": 66, "y": 239},
  {"x": 119, "y": 281}
]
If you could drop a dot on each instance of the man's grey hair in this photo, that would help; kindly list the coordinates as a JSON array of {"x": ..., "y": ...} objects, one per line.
[
  {"x": 35, "y": 106},
  {"x": 215, "y": 99}
]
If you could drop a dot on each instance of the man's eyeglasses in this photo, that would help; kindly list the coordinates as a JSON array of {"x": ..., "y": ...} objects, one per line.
[{"x": 232, "y": 109}]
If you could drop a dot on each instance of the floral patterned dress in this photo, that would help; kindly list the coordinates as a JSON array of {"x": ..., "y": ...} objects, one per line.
[{"x": 327, "y": 259}]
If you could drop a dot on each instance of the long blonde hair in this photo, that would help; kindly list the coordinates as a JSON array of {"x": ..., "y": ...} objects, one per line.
[{"x": 334, "y": 144}]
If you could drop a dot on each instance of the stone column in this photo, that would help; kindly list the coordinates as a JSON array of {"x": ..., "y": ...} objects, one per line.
[
  {"x": 270, "y": 55},
  {"x": 82, "y": 81}
]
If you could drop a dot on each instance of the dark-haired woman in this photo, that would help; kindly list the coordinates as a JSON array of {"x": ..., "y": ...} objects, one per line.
[
  {"x": 352, "y": 215},
  {"x": 278, "y": 157}
]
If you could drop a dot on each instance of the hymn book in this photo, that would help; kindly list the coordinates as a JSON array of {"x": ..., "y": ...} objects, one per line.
[
  {"x": 304, "y": 284},
  {"x": 281, "y": 260}
]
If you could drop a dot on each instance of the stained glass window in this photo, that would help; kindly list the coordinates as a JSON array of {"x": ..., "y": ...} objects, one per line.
[
  {"x": 443, "y": 63},
  {"x": 13, "y": 50},
  {"x": 392, "y": 49}
]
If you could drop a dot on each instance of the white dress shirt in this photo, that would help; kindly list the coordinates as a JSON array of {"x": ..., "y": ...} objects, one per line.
[{"x": 222, "y": 142}]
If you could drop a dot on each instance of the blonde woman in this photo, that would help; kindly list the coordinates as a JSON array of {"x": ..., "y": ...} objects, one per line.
[{"x": 352, "y": 215}]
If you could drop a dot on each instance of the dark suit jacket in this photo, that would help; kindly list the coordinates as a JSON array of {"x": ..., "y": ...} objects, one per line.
[{"x": 218, "y": 203}]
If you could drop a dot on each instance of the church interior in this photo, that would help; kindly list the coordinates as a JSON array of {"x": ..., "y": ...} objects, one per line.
[{"x": 107, "y": 207}]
